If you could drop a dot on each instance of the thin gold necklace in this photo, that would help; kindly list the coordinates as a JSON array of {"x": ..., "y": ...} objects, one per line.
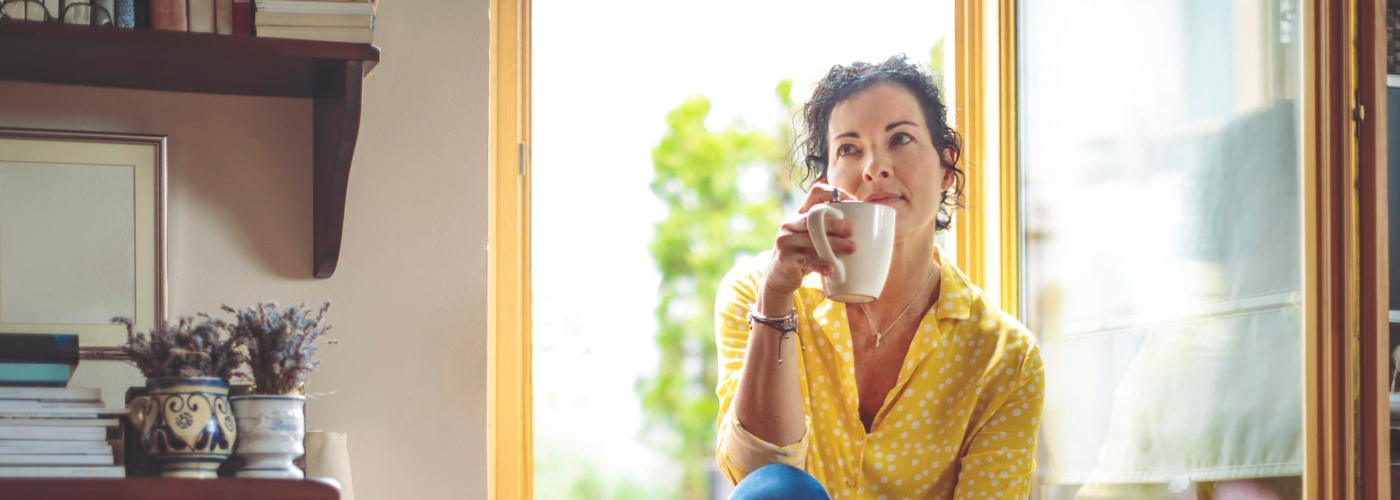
[{"x": 879, "y": 335}]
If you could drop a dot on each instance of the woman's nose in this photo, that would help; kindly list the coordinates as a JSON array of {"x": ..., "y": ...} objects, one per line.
[{"x": 876, "y": 168}]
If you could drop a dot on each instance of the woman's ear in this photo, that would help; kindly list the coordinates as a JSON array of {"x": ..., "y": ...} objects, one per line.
[
  {"x": 950, "y": 156},
  {"x": 950, "y": 176}
]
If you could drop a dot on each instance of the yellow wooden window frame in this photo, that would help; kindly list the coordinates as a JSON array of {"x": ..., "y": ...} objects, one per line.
[
  {"x": 509, "y": 422},
  {"x": 985, "y": 99}
]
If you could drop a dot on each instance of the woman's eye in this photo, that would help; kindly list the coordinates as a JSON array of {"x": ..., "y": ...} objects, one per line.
[
  {"x": 901, "y": 138},
  {"x": 845, "y": 149}
]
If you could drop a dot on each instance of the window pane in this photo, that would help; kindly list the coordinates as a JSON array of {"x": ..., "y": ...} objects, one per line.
[
  {"x": 661, "y": 157},
  {"x": 1161, "y": 199}
]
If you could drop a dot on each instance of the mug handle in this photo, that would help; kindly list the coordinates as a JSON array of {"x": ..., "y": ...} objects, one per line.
[
  {"x": 136, "y": 411},
  {"x": 816, "y": 229}
]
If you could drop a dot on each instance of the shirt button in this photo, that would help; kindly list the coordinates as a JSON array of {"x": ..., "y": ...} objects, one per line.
[{"x": 851, "y": 483}]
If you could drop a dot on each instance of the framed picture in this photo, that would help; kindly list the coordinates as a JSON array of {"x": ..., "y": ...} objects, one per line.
[{"x": 82, "y": 234}]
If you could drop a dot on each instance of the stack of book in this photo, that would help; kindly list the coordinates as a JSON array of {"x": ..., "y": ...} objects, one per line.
[
  {"x": 46, "y": 428},
  {"x": 326, "y": 20}
]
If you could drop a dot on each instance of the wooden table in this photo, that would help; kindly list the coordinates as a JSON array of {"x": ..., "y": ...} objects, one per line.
[{"x": 152, "y": 488}]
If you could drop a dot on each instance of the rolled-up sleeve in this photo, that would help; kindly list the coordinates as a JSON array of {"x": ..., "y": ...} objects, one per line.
[{"x": 738, "y": 451}]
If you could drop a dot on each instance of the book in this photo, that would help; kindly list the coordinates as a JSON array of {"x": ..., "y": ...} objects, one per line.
[
  {"x": 169, "y": 15},
  {"x": 313, "y": 7},
  {"x": 56, "y": 460},
  {"x": 125, "y": 14},
  {"x": 57, "y": 445},
  {"x": 142, "y": 9},
  {"x": 36, "y": 374},
  {"x": 242, "y": 17},
  {"x": 223, "y": 17},
  {"x": 53, "y": 432},
  {"x": 82, "y": 471},
  {"x": 327, "y": 20},
  {"x": 73, "y": 414},
  {"x": 34, "y": 449},
  {"x": 58, "y": 422},
  {"x": 39, "y": 347},
  {"x": 353, "y": 35},
  {"x": 51, "y": 393},
  {"x": 201, "y": 14},
  {"x": 11, "y": 405}
]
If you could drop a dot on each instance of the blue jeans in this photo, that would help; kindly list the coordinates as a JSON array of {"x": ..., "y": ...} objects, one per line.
[{"x": 779, "y": 482}]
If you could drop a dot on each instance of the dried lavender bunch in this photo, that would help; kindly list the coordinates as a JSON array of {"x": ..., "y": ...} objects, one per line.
[
  {"x": 184, "y": 349},
  {"x": 281, "y": 343}
]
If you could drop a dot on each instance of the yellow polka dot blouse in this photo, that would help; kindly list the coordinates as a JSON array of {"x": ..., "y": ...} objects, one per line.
[{"x": 960, "y": 422}]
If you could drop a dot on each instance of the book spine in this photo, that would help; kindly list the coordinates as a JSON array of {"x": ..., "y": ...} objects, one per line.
[
  {"x": 223, "y": 17},
  {"x": 51, "y": 393},
  {"x": 35, "y": 373},
  {"x": 53, "y": 450},
  {"x": 32, "y": 471},
  {"x": 55, "y": 420},
  {"x": 58, "y": 433},
  {"x": 61, "y": 418},
  {"x": 59, "y": 445},
  {"x": 55, "y": 460},
  {"x": 22, "y": 405},
  {"x": 315, "y": 20},
  {"x": 39, "y": 348},
  {"x": 169, "y": 15},
  {"x": 201, "y": 16},
  {"x": 126, "y": 14},
  {"x": 142, "y": 9},
  {"x": 242, "y": 17}
]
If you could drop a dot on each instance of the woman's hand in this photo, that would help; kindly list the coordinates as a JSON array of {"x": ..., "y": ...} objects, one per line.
[{"x": 793, "y": 253}]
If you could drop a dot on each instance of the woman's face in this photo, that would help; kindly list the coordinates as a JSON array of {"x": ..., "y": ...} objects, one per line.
[{"x": 881, "y": 149}]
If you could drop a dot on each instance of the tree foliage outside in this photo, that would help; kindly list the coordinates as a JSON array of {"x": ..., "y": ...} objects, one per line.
[{"x": 725, "y": 191}]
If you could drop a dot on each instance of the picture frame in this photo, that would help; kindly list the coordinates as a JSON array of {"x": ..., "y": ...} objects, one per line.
[{"x": 65, "y": 264}]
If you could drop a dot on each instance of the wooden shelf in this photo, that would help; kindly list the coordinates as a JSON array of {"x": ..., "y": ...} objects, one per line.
[
  {"x": 150, "y": 488},
  {"x": 331, "y": 73}
]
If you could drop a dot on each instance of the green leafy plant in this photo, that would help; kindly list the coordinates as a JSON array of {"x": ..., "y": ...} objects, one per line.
[
  {"x": 182, "y": 349},
  {"x": 282, "y": 343}
]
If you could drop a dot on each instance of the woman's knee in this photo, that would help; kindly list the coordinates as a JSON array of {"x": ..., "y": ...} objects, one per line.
[{"x": 779, "y": 482}]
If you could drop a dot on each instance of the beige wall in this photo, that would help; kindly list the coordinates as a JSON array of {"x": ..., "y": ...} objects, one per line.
[{"x": 409, "y": 381}]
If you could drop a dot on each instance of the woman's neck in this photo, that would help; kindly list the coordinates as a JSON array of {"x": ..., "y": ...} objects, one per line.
[{"x": 912, "y": 266}]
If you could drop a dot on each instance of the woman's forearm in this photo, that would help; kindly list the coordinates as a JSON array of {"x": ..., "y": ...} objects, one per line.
[{"x": 768, "y": 402}]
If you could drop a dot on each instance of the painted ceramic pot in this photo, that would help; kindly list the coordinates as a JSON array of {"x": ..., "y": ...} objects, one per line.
[
  {"x": 186, "y": 424},
  {"x": 271, "y": 431}
]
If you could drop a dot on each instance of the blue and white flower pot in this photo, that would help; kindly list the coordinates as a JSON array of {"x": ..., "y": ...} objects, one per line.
[
  {"x": 271, "y": 433},
  {"x": 186, "y": 424}
]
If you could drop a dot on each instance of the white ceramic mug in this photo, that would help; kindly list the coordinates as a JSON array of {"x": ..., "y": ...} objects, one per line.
[{"x": 858, "y": 277}]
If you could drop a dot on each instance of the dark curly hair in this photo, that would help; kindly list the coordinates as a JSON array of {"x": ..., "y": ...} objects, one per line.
[{"x": 843, "y": 81}]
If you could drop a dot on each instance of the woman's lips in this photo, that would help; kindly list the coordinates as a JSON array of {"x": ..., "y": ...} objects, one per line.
[{"x": 883, "y": 198}]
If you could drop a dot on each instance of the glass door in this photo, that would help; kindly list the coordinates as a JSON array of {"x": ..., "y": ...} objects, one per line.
[{"x": 1161, "y": 198}]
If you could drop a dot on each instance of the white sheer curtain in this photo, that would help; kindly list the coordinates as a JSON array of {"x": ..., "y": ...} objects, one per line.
[{"x": 1161, "y": 196}]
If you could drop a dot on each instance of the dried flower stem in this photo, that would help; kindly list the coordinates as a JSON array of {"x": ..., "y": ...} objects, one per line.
[{"x": 282, "y": 343}]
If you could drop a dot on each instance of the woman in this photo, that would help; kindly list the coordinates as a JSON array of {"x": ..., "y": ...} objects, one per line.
[{"x": 930, "y": 391}]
